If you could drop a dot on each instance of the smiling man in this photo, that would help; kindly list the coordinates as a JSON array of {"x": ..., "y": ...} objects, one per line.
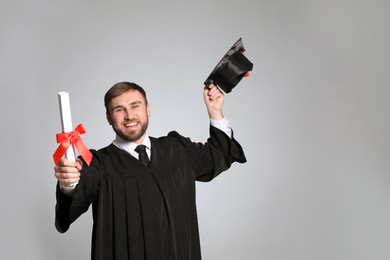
[{"x": 142, "y": 188}]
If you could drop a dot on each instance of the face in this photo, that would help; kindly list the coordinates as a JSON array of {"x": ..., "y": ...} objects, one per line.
[{"x": 128, "y": 114}]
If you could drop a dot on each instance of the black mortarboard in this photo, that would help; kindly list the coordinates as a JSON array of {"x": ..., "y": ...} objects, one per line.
[{"x": 230, "y": 69}]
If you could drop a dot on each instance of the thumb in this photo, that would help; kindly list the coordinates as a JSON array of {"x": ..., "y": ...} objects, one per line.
[{"x": 79, "y": 165}]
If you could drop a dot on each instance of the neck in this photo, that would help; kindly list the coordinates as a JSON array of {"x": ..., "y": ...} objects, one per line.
[{"x": 120, "y": 140}]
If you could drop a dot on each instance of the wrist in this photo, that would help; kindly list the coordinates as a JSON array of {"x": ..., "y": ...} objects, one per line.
[{"x": 216, "y": 115}]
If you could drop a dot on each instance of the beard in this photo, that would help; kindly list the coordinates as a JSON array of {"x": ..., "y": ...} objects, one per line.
[{"x": 132, "y": 136}]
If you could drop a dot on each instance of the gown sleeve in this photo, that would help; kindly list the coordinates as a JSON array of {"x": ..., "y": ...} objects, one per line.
[
  {"x": 215, "y": 156},
  {"x": 70, "y": 207}
]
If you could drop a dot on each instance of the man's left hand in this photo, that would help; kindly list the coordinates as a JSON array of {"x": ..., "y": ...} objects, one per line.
[{"x": 213, "y": 97}]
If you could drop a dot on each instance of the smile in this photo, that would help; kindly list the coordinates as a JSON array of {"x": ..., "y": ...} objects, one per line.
[{"x": 131, "y": 124}]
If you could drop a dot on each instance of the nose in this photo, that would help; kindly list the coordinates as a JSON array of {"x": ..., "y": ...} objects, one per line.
[{"x": 128, "y": 115}]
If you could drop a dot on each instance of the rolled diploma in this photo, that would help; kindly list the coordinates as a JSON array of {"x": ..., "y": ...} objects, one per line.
[{"x": 66, "y": 121}]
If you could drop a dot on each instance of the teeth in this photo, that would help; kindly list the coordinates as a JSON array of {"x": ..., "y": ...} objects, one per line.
[{"x": 132, "y": 124}]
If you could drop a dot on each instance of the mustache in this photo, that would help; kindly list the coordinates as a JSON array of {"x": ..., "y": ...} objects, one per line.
[{"x": 130, "y": 120}]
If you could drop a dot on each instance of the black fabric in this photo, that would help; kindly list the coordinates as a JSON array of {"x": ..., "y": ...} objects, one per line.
[
  {"x": 230, "y": 69},
  {"x": 142, "y": 155},
  {"x": 147, "y": 213}
]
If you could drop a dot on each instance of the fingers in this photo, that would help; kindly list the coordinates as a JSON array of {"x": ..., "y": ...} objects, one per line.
[
  {"x": 214, "y": 99},
  {"x": 212, "y": 92},
  {"x": 67, "y": 172},
  {"x": 68, "y": 182},
  {"x": 66, "y": 179},
  {"x": 66, "y": 163}
]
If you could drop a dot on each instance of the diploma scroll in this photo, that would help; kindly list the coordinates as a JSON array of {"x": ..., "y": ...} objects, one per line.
[
  {"x": 70, "y": 139},
  {"x": 66, "y": 121}
]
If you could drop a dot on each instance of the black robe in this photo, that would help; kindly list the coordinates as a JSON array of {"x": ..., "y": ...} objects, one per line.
[{"x": 147, "y": 213}]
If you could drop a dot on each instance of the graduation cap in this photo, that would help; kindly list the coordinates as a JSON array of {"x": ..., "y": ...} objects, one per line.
[{"x": 231, "y": 68}]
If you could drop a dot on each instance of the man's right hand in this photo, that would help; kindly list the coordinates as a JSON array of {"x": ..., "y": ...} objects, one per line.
[{"x": 68, "y": 172}]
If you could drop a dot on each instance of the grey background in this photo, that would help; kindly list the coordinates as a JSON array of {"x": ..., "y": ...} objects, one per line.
[{"x": 313, "y": 117}]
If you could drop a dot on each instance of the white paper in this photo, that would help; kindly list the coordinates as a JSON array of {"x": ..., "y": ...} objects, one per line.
[{"x": 66, "y": 121}]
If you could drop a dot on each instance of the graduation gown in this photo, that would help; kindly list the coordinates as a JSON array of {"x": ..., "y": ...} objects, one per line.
[{"x": 147, "y": 213}]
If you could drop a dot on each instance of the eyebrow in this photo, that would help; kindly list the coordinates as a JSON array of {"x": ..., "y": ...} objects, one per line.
[{"x": 131, "y": 104}]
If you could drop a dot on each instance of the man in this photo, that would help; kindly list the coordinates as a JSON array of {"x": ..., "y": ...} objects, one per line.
[{"x": 141, "y": 209}]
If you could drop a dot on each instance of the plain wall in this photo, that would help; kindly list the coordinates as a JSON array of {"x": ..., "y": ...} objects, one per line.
[{"x": 313, "y": 117}]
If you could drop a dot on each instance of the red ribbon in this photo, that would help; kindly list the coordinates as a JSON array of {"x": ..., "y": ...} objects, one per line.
[{"x": 72, "y": 138}]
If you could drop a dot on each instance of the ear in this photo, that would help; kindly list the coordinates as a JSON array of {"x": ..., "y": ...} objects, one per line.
[
  {"x": 148, "y": 109},
  {"x": 108, "y": 118}
]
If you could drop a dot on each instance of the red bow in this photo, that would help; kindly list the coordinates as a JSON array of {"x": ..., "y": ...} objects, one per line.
[{"x": 72, "y": 138}]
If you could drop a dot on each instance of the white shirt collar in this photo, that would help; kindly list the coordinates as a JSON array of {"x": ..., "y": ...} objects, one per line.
[{"x": 130, "y": 146}]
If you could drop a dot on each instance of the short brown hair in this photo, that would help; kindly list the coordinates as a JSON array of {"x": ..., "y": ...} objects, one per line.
[{"x": 120, "y": 88}]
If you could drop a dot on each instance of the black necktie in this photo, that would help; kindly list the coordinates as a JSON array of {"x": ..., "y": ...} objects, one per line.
[{"x": 142, "y": 155}]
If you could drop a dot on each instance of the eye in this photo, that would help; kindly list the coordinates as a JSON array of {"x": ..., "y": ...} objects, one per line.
[
  {"x": 134, "y": 106},
  {"x": 119, "y": 109}
]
